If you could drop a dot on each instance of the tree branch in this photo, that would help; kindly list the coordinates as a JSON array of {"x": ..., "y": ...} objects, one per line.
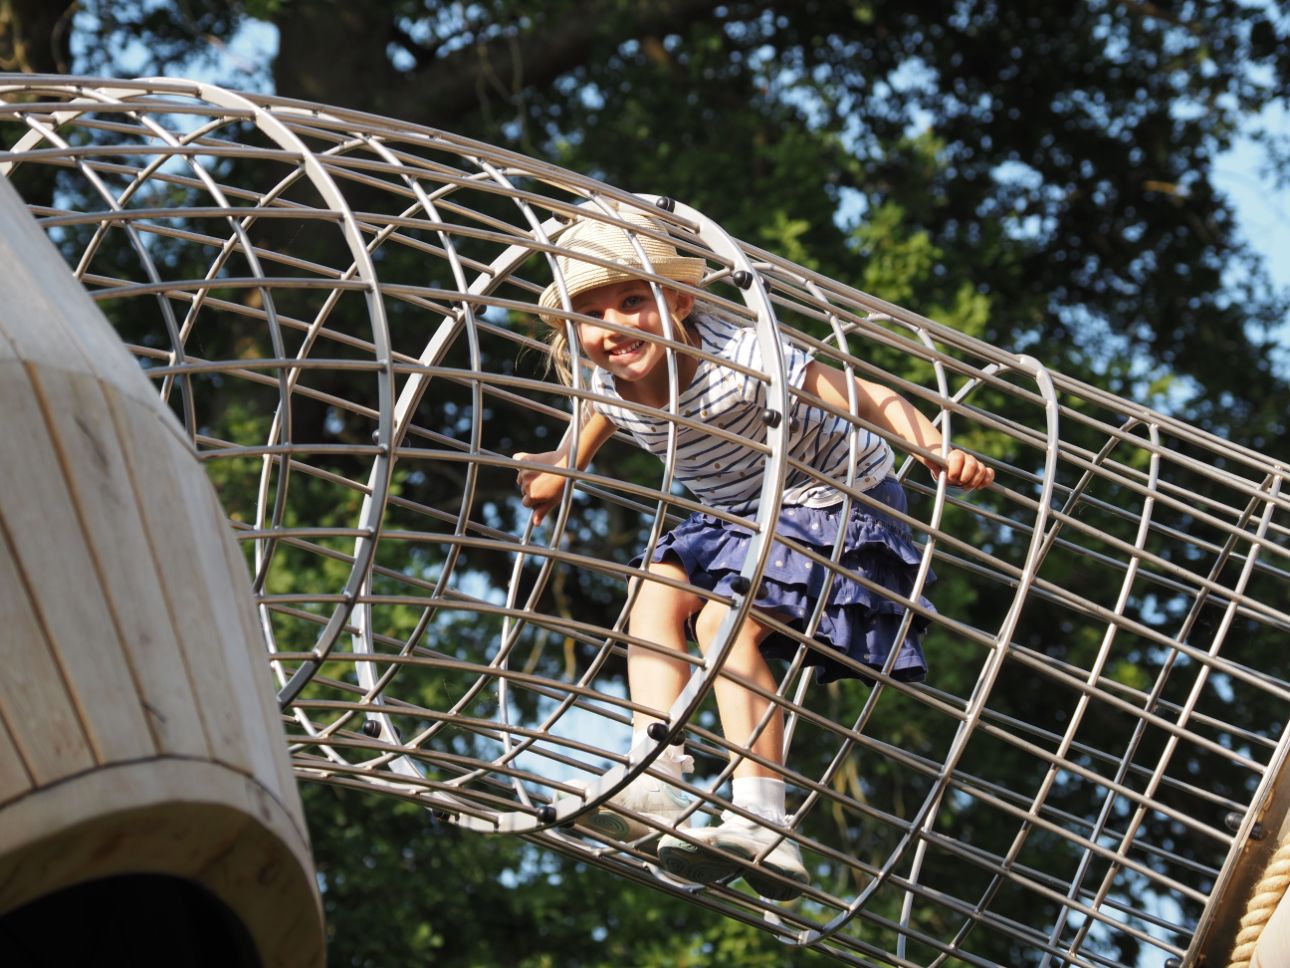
[
  {"x": 34, "y": 36},
  {"x": 449, "y": 88}
]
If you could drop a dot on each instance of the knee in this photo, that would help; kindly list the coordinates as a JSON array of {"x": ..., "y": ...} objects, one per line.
[
  {"x": 656, "y": 601},
  {"x": 708, "y": 623},
  {"x": 746, "y": 651}
]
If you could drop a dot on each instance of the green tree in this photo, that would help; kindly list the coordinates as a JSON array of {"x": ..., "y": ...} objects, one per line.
[
  {"x": 938, "y": 161},
  {"x": 1077, "y": 203}
]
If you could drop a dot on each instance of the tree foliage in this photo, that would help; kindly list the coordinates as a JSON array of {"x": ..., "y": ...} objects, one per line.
[
  {"x": 1037, "y": 174},
  {"x": 1053, "y": 161}
]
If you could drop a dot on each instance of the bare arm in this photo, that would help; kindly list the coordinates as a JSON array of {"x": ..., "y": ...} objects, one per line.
[
  {"x": 888, "y": 410},
  {"x": 542, "y": 490}
]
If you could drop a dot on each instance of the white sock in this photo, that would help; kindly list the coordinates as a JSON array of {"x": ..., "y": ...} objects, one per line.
[{"x": 762, "y": 796}]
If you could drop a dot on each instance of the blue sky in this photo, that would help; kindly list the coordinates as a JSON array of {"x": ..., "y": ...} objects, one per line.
[{"x": 1263, "y": 209}]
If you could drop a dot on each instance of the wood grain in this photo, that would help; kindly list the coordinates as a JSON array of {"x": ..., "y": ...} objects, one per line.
[{"x": 139, "y": 731}]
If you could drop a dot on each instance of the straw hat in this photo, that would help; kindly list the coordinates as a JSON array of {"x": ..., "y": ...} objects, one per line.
[{"x": 612, "y": 243}]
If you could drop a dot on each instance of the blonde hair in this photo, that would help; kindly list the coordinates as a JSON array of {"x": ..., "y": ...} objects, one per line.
[{"x": 558, "y": 357}]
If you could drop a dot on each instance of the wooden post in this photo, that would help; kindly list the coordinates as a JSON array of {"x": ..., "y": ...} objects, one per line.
[{"x": 139, "y": 734}]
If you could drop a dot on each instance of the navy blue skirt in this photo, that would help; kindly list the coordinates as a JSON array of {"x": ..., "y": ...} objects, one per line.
[{"x": 856, "y": 621}]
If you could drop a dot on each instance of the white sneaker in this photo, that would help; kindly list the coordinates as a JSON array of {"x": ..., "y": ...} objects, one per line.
[
  {"x": 744, "y": 841},
  {"x": 645, "y": 797}
]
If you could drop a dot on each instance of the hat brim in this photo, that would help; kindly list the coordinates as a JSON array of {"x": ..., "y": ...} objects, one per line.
[{"x": 590, "y": 275}]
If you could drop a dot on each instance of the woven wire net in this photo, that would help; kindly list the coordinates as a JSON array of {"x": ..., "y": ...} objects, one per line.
[{"x": 339, "y": 310}]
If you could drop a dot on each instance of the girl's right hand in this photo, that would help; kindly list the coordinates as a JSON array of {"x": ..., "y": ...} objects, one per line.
[
  {"x": 542, "y": 491},
  {"x": 963, "y": 470}
]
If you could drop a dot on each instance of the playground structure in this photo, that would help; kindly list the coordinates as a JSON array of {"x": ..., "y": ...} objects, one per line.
[
  {"x": 337, "y": 310},
  {"x": 142, "y": 793}
]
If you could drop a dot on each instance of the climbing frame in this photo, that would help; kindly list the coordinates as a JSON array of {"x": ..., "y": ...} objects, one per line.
[{"x": 339, "y": 309}]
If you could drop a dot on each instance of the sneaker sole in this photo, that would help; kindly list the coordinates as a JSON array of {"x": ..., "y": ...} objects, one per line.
[
  {"x": 618, "y": 827},
  {"x": 776, "y": 890},
  {"x": 703, "y": 866},
  {"x": 612, "y": 825},
  {"x": 695, "y": 864}
]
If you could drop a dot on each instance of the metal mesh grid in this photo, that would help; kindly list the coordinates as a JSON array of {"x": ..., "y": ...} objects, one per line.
[{"x": 338, "y": 309}]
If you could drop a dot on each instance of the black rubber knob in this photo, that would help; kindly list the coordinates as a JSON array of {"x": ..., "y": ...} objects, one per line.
[
  {"x": 665, "y": 203},
  {"x": 546, "y": 814},
  {"x": 372, "y": 728},
  {"x": 740, "y": 585},
  {"x": 742, "y": 278},
  {"x": 656, "y": 731},
  {"x": 771, "y": 417}
]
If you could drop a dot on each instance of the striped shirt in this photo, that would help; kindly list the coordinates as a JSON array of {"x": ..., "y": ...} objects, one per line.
[{"x": 728, "y": 474}]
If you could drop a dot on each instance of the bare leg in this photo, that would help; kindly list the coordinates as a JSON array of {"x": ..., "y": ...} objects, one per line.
[
  {"x": 770, "y": 864},
  {"x": 659, "y": 615},
  {"x": 740, "y": 709}
]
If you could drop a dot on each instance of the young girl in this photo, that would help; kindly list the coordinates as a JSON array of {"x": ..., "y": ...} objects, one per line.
[{"x": 614, "y": 306}]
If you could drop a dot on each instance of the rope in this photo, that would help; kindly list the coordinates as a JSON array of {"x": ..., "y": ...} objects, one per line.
[{"x": 1268, "y": 893}]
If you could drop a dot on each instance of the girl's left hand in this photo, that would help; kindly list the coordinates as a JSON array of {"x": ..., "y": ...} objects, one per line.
[
  {"x": 542, "y": 491},
  {"x": 963, "y": 470}
]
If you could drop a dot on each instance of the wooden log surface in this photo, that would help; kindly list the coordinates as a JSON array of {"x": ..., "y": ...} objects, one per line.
[
  {"x": 139, "y": 732},
  {"x": 1273, "y": 949},
  {"x": 200, "y": 821}
]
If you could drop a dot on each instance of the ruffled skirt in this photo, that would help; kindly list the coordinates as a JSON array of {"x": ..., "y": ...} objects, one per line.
[{"x": 856, "y": 621}]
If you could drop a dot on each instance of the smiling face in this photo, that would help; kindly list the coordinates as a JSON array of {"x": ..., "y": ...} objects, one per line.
[{"x": 634, "y": 363}]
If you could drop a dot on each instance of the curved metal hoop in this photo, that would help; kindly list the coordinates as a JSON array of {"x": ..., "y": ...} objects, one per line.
[{"x": 338, "y": 309}]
